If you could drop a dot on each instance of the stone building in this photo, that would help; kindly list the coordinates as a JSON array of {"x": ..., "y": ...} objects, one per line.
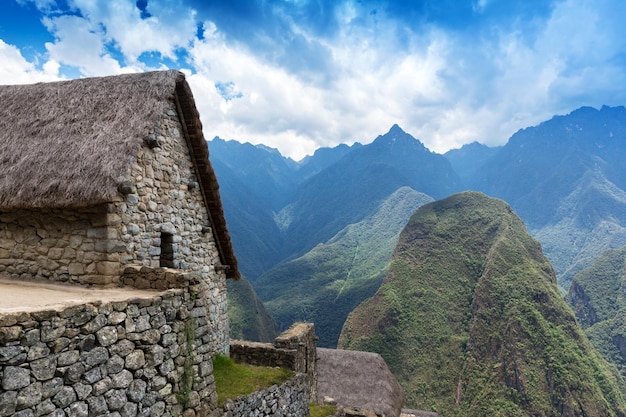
[{"x": 100, "y": 174}]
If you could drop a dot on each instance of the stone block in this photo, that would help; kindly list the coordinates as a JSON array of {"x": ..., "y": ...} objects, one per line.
[
  {"x": 76, "y": 268},
  {"x": 15, "y": 378},
  {"x": 8, "y": 403},
  {"x": 108, "y": 268},
  {"x": 55, "y": 253}
]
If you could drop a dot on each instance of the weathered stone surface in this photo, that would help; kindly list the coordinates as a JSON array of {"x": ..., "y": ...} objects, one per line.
[
  {"x": 96, "y": 356},
  {"x": 44, "y": 369},
  {"x": 102, "y": 386},
  {"x": 15, "y": 378},
  {"x": 136, "y": 390},
  {"x": 114, "y": 365},
  {"x": 44, "y": 407},
  {"x": 93, "y": 375},
  {"x": 75, "y": 372},
  {"x": 82, "y": 390},
  {"x": 115, "y": 399},
  {"x": 122, "y": 348},
  {"x": 68, "y": 358},
  {"x": 107, "y": 335},
  {"x": 97, "y": 406},
  {"x": 9, "y": 352},
  {"x": 29, "y": 396},
  {"x": 78, "y": 409},
  {"x": 135, "y": 360},
  {"x": 8, "y": 403},
  {"x": 9, "y": 334},
  {"x": 95, "y": 324},
  {"x": 51, "y": 388},
  {"x": 122, "y": 379},
  {"x": 38, "y": 351},
  {"x": 64, "y": 397}
]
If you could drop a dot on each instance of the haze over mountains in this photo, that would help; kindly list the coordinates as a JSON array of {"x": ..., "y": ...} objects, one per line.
[{"x": 564, "y": 177}]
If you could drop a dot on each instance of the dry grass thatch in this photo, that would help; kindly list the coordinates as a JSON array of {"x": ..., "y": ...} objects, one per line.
[
  {"x": 359, "y": 380},
  {"x": 70, "y": 143}
]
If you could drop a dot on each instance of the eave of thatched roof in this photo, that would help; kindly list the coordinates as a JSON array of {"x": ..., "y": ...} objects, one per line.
[
  {"x": 359, "y": 380},
  {"x": 70, "y": 143}
]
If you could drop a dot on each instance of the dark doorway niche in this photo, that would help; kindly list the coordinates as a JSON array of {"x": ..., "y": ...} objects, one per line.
[{"x": 167, "y": 250}]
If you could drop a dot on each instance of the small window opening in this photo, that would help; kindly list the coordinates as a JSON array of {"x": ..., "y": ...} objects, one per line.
[{"x": 167, "y": 250}]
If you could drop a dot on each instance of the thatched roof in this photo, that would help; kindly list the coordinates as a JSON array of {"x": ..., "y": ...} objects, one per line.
[
  {"x": 69, "y": 143},
  {"x": 358, "y": 380}
]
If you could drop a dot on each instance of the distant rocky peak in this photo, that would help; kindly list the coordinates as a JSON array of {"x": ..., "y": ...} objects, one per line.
[{"x": 396, "y": 136}]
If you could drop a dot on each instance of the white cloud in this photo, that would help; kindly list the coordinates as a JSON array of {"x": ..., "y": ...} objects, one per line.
[
  {"x": 445, "y": 87},
  {"x": 15, "y": 69},
  {"x": 79, "y": 43},
  {"x": 171, "y": 25},
  {"x": 275, "y": 107}
]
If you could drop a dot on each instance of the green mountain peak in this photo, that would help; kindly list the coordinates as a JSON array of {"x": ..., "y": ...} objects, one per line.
[{"x": 471, "y": 322}]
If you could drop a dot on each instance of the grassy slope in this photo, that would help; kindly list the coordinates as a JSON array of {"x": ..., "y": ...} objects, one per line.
[
  {"x": 471, "y": 322},
  {"x": 328, "y": 282}
]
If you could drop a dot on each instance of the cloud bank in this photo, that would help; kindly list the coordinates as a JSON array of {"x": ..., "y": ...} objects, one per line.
[{"x": 301, "y": 74}]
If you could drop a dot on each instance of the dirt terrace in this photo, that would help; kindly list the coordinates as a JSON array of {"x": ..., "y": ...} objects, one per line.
[{"x": 18, "y": 296}]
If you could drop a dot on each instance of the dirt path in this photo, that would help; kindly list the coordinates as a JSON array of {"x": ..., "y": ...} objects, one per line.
[{"x": 32, "y": 296}]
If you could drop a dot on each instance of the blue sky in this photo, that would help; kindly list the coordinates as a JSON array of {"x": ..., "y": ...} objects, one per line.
[{"x": 301, "y": 74}]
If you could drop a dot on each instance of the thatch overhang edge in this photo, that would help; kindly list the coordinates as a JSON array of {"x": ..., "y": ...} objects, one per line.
[{"x": 209, "y": 186}]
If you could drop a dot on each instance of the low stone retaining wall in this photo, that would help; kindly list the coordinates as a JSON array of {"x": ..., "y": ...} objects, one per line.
[
  {"x": 139, "y": 357},
  {"x": 289, "y": 399},
  {"x": 294, "y": 349}
]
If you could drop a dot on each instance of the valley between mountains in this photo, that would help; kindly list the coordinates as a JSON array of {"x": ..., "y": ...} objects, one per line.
[{"x": 455, "y": 267}]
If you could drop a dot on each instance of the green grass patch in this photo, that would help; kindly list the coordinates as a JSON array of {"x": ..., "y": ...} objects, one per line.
[
  {"x": 319, "y": 410},
  {"x": 235, "y": 379}
]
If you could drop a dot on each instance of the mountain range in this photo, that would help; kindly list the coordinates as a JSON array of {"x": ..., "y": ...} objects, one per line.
[{"x": 564, "y": 177}]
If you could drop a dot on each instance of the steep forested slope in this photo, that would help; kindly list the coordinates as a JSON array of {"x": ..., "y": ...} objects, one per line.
[
  {"x": 598, "y": 298},
  {"x": 471, "y": 322},
  {"x": 248, "y": 318},
  {"x": 325, "y": 284}
]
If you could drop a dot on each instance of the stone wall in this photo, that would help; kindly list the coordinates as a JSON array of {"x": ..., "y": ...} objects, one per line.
[
  {"x": 141, "y": 357},
  {"x": 55, "y": 244},
  {"x": 288, "y": 399},
  {"x": 162, "y": 196},
  {"x": 294, "y": 349}
]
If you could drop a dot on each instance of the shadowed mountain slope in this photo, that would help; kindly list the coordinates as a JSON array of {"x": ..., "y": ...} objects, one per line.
[
  {"x": 248, "y": 318},
  {"x": 471, "y": 322},
  {"x": 467, "y": 160},
  {"x": 598, "y": 298},
  {"x": 327, "y": 283},
  {"x": 541, "y": 165},
  {"x": 257, "y": 240}
]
